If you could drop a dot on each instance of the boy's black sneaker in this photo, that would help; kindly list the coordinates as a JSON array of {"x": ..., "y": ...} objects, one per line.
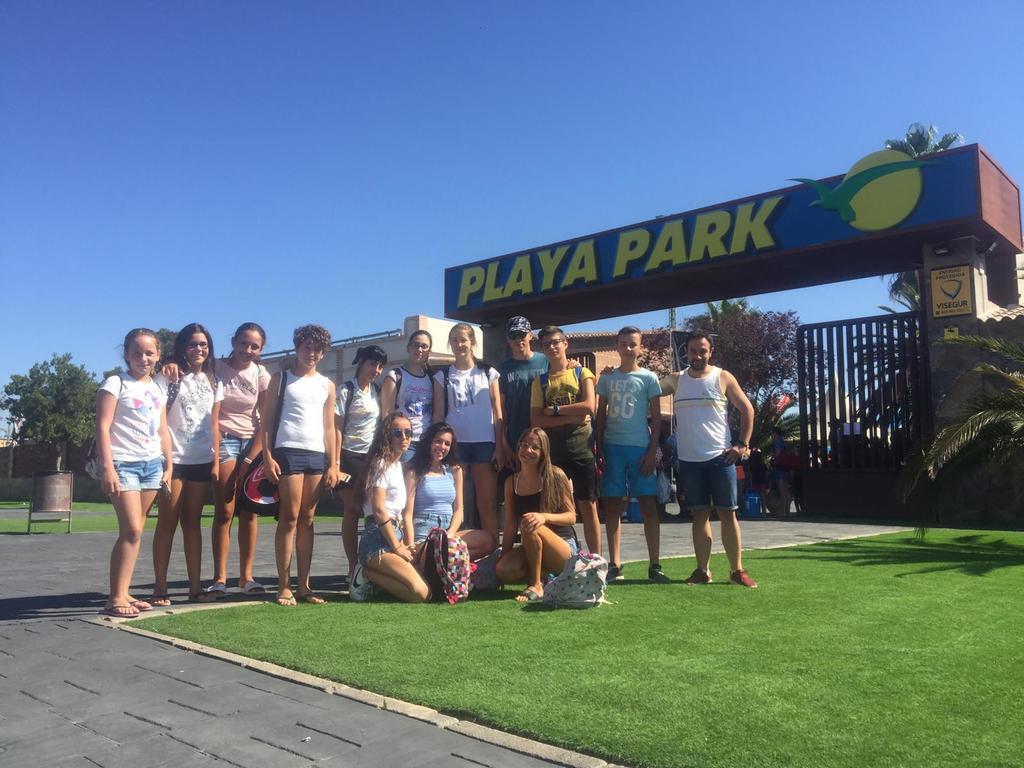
[
  {"x": 614, "y": 574},
  {"x": 655, "y": 574}
]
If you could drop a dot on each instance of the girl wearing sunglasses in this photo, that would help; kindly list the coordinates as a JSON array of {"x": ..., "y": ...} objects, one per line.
[{"x": 384, "y": 552}]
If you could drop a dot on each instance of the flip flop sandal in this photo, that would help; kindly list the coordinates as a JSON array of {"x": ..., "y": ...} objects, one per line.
[
  {"x": 218, "y": 588},
  {"x": 311, "y": 599},
  {"x": 141, "y": 606},
  {"x": 160, "y": 601},
  {"x": 529, "y": 596},
  {"x": 252, "y": 587},
  {"x": 121, "y": 612},
  {"x": 286, "y": 602}
]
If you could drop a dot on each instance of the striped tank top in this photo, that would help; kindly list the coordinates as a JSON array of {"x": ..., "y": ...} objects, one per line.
[{"x": 700, "y": 410}]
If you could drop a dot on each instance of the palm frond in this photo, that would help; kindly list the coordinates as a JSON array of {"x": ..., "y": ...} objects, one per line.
[
  {"x": 952, "y": 440},
  {"x": 900, "y": 145},
  {"x": 1014, "y": 378},
  {"x": 1008, "y": 349}
]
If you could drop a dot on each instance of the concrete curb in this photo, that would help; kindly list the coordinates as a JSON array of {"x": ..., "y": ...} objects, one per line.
[{"x": 473, "y": 730}]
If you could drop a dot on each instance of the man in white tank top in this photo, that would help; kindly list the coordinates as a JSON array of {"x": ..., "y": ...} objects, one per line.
[{"x": 707, "y": 453}]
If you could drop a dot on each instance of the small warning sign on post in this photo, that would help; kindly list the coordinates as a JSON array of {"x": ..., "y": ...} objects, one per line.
[{"x": 951, "y": 291}]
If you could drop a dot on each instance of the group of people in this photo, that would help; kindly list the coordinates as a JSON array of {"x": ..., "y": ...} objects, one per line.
[{"x": 531, "y": 431}]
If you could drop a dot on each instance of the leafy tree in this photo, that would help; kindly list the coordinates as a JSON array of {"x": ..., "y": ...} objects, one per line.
[
  {"x": 53, "y": 404},
  {"x": 759, "y": 349},
  {"x": 905, "y": 287}
]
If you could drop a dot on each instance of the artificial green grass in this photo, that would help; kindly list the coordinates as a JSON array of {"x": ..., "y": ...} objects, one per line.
[{"x": 881, "y": 651}]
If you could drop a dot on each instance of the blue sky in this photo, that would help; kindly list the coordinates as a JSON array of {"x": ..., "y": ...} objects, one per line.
[{"x": 163, "y": 163}]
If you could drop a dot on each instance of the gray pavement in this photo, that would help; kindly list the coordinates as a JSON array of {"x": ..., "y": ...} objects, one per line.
[{"x": 77, "y": 692}]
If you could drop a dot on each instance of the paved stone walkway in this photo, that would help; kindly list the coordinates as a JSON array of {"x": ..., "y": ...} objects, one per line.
[{"x": 76, "y": 692}]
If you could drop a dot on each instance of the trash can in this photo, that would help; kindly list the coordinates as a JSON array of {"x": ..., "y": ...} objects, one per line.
[
  {"x": 751, "y": 505},
  {"x": 633, "y": 514},
  {"x": 52, "y": 493}
]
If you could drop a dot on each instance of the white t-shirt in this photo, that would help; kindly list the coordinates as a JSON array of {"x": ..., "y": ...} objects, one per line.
[
  {"x": 469, "y": 403},
  {"x": 361, "y": 415},
  {"x": 135, "y": 430},
  {"x": 302, "y": 412},
  {"x": 393, "y": 482},
  {"x": 415, "y": 400},
  {"x": 189, "y": 417}
]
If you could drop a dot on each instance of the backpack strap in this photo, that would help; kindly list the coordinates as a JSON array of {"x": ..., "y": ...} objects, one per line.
[
  {"x": 446, "y": 372},
  {"x": 280, "y": 405},
  {"x": 398, "y": 384}
]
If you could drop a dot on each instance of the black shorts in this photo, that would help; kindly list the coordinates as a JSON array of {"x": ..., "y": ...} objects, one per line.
[
  {"x": 192, "y": 473},
  {"x": 298, "y": 461},
  {"x": 353, "y": 463},
  {"x": 582, "y": 473}
]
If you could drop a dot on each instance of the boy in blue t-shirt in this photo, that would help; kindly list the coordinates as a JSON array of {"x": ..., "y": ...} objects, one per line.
[{"x": 626, "y": 398}]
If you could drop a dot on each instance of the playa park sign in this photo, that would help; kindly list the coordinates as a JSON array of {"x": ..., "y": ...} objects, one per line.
[{"x": 865, "y": 222}]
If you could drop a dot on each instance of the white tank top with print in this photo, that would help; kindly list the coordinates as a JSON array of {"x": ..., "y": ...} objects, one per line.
[{"x": 701, "y": 414}]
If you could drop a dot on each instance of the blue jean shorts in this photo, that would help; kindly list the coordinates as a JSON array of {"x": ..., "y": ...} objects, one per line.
[
  {"x": 372, "y": 543},
  {"x": 423, "y": 525},
  {"x": 708, "y": 483},
  {"x": 622, "y": 476},
  {"x": 298, "y": 461},
  {"x": 140, "y": 475},
  {"x": 233, "y": 448},
  {"x": 476, "y": 453}
]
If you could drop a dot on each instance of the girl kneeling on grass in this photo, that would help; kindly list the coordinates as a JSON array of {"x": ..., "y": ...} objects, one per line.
[
  {"x": 190, "y": 401},
  {"x": 134, "y": 448},
  {"x": 539, "y": 506},
  {"x": 384, "y": 553},
  {"x": 434, "y": 486},
  {"x": 296, "y": 445}
]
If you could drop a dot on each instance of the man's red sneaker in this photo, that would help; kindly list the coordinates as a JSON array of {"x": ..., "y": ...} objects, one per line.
[
  {"x": 742, "y": 578},
  {"x": 699, "y": 577}
]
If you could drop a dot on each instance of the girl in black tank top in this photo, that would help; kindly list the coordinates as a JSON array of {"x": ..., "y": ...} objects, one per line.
[{"x": 542, "y": 514}]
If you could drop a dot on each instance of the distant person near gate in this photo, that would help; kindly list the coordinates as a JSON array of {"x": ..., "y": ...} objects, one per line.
[
  {"x": 707, "y": 454},
  {"x": 562, "y": 403},
  {"x": 626, "y": 398}
]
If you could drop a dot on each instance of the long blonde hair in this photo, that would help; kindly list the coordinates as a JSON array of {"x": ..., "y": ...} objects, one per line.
[{"x": 555, "y": 492}]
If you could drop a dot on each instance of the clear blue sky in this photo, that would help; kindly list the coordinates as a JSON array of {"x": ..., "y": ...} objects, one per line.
[{"x": 162, "y": 163}]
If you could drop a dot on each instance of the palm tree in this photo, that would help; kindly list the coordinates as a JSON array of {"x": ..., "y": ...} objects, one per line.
[
  {"x": 991, "y": 431},
  {"x": 726, "y": 308},
  {"x": 905, "y": 287}
]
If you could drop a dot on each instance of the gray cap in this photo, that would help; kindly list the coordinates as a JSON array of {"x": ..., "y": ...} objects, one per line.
[{"x": 517, "y": 324}]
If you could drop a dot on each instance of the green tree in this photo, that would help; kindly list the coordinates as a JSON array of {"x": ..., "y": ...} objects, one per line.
[
  {"x": 54, "y": 404},
  {"x": 905, "y": 287}
]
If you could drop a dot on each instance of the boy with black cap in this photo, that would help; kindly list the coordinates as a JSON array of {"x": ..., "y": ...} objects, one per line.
[{"x": 517, "y": 374}]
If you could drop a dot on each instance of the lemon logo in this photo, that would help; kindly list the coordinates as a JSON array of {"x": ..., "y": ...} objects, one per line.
[{"x": 878, "y": 192}]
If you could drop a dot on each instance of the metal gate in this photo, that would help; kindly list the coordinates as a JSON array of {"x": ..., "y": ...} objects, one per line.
[{"x": 863, "y": 398}]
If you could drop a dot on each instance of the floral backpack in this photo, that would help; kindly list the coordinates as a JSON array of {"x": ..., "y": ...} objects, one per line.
[
  {"x": 447, "y": 567},
  {"x": 581, "y": 583}
]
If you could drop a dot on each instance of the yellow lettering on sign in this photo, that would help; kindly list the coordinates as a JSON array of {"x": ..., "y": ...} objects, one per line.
[
  {"x": 549, "y": 263},
  {"x": 709, "y": 230},
  {"x": 492, "y": 291},
  {"x": 670, "y": 247},
  {"x": 753, "y": 227},
  {"x": 472, "y": 282},
  {"x": 632, "y": 246},
  {"x": 521, "y": 278},
  {"x": 583, "y": 265}
]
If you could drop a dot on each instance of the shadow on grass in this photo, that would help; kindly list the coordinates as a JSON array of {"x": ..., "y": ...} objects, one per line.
[{"x": 970, "y": 554}]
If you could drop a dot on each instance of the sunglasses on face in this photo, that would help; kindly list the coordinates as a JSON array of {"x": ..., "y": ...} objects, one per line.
[
  {"x": 517, "y": 335},
  {"x": 400, "y": 433},
  {"x": 420, "y": 347}
]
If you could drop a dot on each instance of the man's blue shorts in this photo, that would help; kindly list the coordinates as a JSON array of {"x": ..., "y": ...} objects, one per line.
[
  {"x": 622, "y": 476},
  {"x": 708, "y": 483}
]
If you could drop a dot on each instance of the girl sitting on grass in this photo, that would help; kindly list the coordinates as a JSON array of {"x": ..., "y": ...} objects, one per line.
[
  {"x": 539, "y": 506},
  {"x": 384, "y": 553},
  {"x": 297, "y": 444},
  {"x": 190, "y": 401},
  {"x": 433, "y": 483},
  {"x": 134, "y": 449}
]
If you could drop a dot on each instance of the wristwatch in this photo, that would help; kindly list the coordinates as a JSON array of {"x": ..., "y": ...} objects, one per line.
[{"x": 740, "y": 443}]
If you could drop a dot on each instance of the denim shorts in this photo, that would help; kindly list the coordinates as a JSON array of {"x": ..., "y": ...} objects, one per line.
[
  {"x": 372, "y": 543},
  {"x": 192, "y": 473},
  {"x": 423, "y": 525},
  {"x": 708, "y": 483},
  {"x": 233, "y": 448},
  {"x": 140, "y": 475},
  {"x": 298, "y": 461},
  {"x": 476, "y": 453},
  {"x": 622, "y": 476}
]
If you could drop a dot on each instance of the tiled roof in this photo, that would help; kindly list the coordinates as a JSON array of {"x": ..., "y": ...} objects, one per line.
[{"x": 1004, "y": 313}]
